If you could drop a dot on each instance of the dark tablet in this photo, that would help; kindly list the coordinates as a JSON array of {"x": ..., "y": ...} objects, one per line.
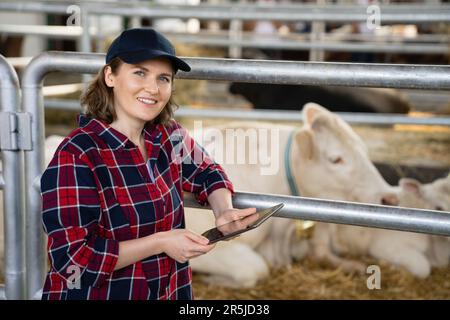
[{"x": 233, "y": 228}]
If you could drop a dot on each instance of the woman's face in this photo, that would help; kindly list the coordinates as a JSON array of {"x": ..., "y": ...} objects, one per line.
[{"x": 141, "y": 91}]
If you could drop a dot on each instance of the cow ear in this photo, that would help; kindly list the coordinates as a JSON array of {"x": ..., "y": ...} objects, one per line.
[
  {"x": 411, "y": 185},
  {"x": 311, "y": 111},
  {"x": 304, "y": 139}
]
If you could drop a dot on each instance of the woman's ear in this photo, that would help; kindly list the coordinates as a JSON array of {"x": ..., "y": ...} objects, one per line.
[{"x": 109, "y": 77}]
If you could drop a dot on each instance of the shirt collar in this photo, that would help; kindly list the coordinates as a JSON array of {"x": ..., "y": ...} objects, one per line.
[{"x": 111, "y": 136}]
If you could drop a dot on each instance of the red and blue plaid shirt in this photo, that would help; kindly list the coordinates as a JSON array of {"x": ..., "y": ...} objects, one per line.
[{"x": 98, "y": 191}]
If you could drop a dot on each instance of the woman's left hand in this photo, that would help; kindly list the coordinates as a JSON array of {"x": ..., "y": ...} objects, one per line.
[{"x": 229, "y": 215}]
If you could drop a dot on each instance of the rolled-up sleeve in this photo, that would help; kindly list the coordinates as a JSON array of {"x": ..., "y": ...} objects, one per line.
[
  {"x": 200, "y": 173},
  {"x": 71, "y": 213}
]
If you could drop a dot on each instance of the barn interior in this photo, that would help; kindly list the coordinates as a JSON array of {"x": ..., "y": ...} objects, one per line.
[{"x": 406, "y": 130}]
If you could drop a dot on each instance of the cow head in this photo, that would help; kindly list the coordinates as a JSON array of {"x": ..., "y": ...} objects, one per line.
[{"x": 333, "y": 161}]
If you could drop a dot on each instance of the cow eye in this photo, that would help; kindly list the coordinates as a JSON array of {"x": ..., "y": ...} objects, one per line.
[{"x": 337, "y": 160}]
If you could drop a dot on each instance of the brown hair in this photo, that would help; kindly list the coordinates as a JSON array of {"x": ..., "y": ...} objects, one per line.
[{"x": 98, "y": 99}]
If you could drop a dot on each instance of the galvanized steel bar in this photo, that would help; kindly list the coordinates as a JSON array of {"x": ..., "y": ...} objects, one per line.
[
  {"x": 249, "y": 41},
  {"x": 33, "y": 7},
  {"x": 428, "y": 77},
  {"x": 284, "y": 72},
  {"x": 321, "y": 73},
  {"x": 13, "y": 176},
  {"x": 283, "y": 115},
  {"x": 366, "y": 215},
  {"x": 263, "y": 42},
  {"x": 309, "y": 13},
  {"x": 276, "y": 115},
  {"x": 328, "y": 37},
  {"x": 56, "y": 32}
]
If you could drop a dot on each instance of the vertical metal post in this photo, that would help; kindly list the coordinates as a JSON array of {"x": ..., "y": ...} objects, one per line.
[
  {"x": 14, "y": 189},
  {"x": 86, "y": 46},
  {"x": 34, "y": 160},
  {"x": 33, "y": 104},
  {"x": 317, "y": 33},
  {"x": 235, "y": 34}
]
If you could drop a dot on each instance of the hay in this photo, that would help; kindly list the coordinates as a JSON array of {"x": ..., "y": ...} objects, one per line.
[
  {"x": 191, "y": 92},
  {"x": 309, "y": 279},
  {"x": 407, "y": 145}
]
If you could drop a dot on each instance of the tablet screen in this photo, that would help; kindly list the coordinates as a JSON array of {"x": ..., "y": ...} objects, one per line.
[{"x": 233, "y": 228}]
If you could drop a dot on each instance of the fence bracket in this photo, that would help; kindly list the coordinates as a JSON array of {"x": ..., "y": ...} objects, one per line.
[{"x": 15, "y": 131}]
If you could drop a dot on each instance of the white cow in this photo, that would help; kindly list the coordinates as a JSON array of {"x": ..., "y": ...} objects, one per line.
[
  {"x": 416, "y": 252},
  {"x": 327, "y": 160},
  {"x": 437, "y": 193}
]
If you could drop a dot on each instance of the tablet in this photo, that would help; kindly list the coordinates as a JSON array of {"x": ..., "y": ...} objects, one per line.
[{"x": 233, "y": 228}]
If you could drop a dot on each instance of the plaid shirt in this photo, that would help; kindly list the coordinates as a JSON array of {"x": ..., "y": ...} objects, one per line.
[{"x": 98, "y": 191}]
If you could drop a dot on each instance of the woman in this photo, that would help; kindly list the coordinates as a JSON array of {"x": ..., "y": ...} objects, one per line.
[{"x": 113, "y": 192}]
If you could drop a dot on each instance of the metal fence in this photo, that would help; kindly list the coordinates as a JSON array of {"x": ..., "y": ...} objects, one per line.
[
  {"x": 392, "y": 13},
  {"x": 22, "y": 132},
  {"x": 386, "y": 119},
  {"x": 236, "y": 13},
  {"x": 430, "y": 77}
]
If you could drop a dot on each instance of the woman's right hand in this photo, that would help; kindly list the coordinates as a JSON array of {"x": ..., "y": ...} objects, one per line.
[{"x": 182, "y": 244}]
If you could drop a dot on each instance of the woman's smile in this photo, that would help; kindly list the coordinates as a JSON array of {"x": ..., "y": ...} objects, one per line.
[{"x": 147, "y": 101}]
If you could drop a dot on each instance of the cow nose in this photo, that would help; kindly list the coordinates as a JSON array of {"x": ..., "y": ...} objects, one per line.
[{"x": 389, "y": 200}]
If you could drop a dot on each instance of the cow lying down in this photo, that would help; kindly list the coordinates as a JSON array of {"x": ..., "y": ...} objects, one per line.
[
  {"x": 327, "y": 160},
  {"x": 413, "y": 251}
]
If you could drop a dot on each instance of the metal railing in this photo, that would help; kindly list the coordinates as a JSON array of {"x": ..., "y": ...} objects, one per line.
[
  {"x": 308, "y": 13},
  {"x": 422, "y": 45},
  {"x": 392, "y": 13},
  {"x": 342, "y": 212},
  {"x": 236, "y": 12},
  {"x": 56, "y": 32},
  {"x": 13, "y": 184},
  {"x": 276, "y": 115},
  {"x": 252, "y": 40},
  {"x": 427, "y": 77}
]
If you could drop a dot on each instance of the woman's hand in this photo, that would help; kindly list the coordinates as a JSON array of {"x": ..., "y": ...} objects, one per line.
[
  {"x": 241, "y": 217},
  {"x": 182, "y": 244},
  {"x": 233, "y": 214}
]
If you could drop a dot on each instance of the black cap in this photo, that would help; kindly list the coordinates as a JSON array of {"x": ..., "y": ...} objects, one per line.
[{"x": 140, "y": 44}]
